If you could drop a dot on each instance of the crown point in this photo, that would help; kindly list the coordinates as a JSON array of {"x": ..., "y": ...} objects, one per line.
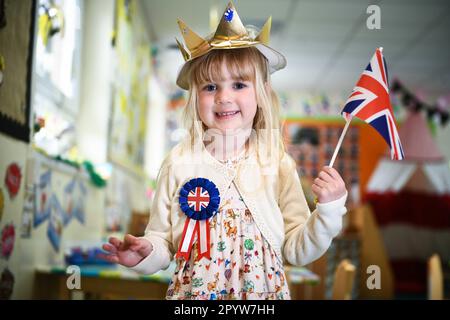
[
  {"x": 264, "y": 34},
  {"x": 192, "y": 40},
  {"x": 230, "y": 25},
  {"x": 183, "y": 51}
]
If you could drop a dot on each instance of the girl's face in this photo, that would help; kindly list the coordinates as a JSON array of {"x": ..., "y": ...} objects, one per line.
[{"x": 227, "y": 105}]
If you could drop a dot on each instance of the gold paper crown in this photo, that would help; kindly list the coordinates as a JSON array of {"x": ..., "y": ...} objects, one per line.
[{"x": 230, "y": 34}]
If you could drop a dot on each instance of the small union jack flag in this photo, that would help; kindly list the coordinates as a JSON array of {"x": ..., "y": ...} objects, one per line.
[
  {"x": 369, "y": 101},
  {"x": 198, "y": 198}
]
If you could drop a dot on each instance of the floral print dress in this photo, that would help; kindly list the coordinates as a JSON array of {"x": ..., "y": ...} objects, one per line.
[{"x": 242, "y": 266}]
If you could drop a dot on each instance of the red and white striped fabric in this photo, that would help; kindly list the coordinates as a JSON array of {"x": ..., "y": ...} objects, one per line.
[{"x": 411, "y": 203}]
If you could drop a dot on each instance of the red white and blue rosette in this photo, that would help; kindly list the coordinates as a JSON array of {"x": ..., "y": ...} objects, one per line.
[{"x": 199, "y": 199}]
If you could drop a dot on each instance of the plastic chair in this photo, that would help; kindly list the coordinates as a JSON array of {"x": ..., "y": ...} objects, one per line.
[{"x": 343, "y": 281}]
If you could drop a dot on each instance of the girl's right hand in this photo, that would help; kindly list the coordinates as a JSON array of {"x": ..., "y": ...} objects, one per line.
[{"x": 128, "y": 252}]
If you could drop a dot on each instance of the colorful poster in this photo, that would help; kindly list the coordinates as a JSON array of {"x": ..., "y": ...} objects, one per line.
[
  {"x": 69, "y": 202},
  {"x": 132, "y": 56},
  {"x": 55, "y": 225},
  {"x": 43, "y": 192}
]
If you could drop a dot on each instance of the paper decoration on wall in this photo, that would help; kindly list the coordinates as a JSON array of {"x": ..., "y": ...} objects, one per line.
[
  {"x": 2, "y": 203},
  {"x": 27, "y": 215},
  {"x": 43, "y": 192},
  {"x": 80, "y": 202},
  {"x": 74, "y": 201},
  {"x": 6, "y": 284},
  {"x": 51, "y": 21},
  {"x": 414, "y": 103},
  {"x": 13, "y": 177},
  {"x": 55, "y": 225},
  {"x": 69, "y": 203},
  {"x": 7, "y": 240}
]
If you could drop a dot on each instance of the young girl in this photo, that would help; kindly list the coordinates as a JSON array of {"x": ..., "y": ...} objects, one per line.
[{"x": 229, "y": 204}]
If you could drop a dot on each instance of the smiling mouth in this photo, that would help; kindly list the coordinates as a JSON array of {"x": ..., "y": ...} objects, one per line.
[{"x": 226, "y": 115}]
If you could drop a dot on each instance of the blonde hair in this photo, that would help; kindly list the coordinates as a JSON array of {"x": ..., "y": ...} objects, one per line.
[{"x": 246, "y": 64}]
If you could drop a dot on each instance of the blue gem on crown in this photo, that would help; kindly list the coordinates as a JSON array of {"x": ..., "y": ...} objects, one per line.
[{"x": 229, "y": 15}]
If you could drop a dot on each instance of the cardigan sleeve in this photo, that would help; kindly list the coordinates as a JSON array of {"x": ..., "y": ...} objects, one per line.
[
  {"x": 307, "y": 235},
  {"x": 159, "y": 228}
]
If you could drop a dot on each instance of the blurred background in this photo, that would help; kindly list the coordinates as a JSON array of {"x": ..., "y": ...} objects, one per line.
[{"x": 89, "y": 108}]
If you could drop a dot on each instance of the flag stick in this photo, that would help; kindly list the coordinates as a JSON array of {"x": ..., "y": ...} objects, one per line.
[{"x": 341, "y": 138}]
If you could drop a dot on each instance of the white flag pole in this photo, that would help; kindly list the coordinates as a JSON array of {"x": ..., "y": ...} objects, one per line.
[{"x": 341, "y": 138}]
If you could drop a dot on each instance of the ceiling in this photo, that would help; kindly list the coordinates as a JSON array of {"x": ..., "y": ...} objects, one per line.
[{"x": 327, "y": 43}]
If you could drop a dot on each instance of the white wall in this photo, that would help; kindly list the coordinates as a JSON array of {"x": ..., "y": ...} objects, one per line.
[{"x": 156, "y": 123}]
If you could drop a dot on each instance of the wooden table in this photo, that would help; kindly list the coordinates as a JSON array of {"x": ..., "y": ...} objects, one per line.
[
  {"x": 301, "y": 282},
  {"x": 99, "y": 283},
  {"x": 120, "y": 283}
]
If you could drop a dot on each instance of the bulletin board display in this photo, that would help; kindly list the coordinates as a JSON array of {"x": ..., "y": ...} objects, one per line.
[
  {"x": 311, "y": 143},
  {"x": 132, "y": 59},
  {"x": 16, "y": 39}
]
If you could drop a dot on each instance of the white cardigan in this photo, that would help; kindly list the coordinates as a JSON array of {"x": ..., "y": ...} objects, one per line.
[{"x": 274, "y": 197}]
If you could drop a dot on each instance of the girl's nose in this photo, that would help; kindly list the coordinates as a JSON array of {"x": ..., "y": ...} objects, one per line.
[{"x": 223, "y": 96}]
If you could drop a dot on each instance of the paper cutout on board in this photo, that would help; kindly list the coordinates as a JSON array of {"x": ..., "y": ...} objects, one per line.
[
  {"x": 55, "y": 225},
  {"x": 7, "y": 240},
  {"x": 13, "y": 177},
  {"x": 74, "y": 201},
  {"x": 6, "y": 284},
  {"x": 80, "y": 202},
  {"x": 43, "y": 193},
  {"x": 69, "y": 203},
  {"x": 27, "y": 215}
]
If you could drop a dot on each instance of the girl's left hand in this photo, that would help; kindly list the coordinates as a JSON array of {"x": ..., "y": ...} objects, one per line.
[{"x": 328, "y": 186}]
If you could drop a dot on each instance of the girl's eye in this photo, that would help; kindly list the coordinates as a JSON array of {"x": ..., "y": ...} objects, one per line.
[
  {"x": 209, "y": 87},
  {"x": 239, "y": 85}
]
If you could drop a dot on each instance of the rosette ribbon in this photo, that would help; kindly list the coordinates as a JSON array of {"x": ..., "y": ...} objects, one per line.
[{"x": 199, "y": 200}]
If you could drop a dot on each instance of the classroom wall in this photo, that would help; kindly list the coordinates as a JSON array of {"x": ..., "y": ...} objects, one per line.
[
  {"x": 12, "y": 151},
  {"x": 126, "y": 188},
  {"x": 36, "y": 250},
  {"x": 92, "y": 139}
]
